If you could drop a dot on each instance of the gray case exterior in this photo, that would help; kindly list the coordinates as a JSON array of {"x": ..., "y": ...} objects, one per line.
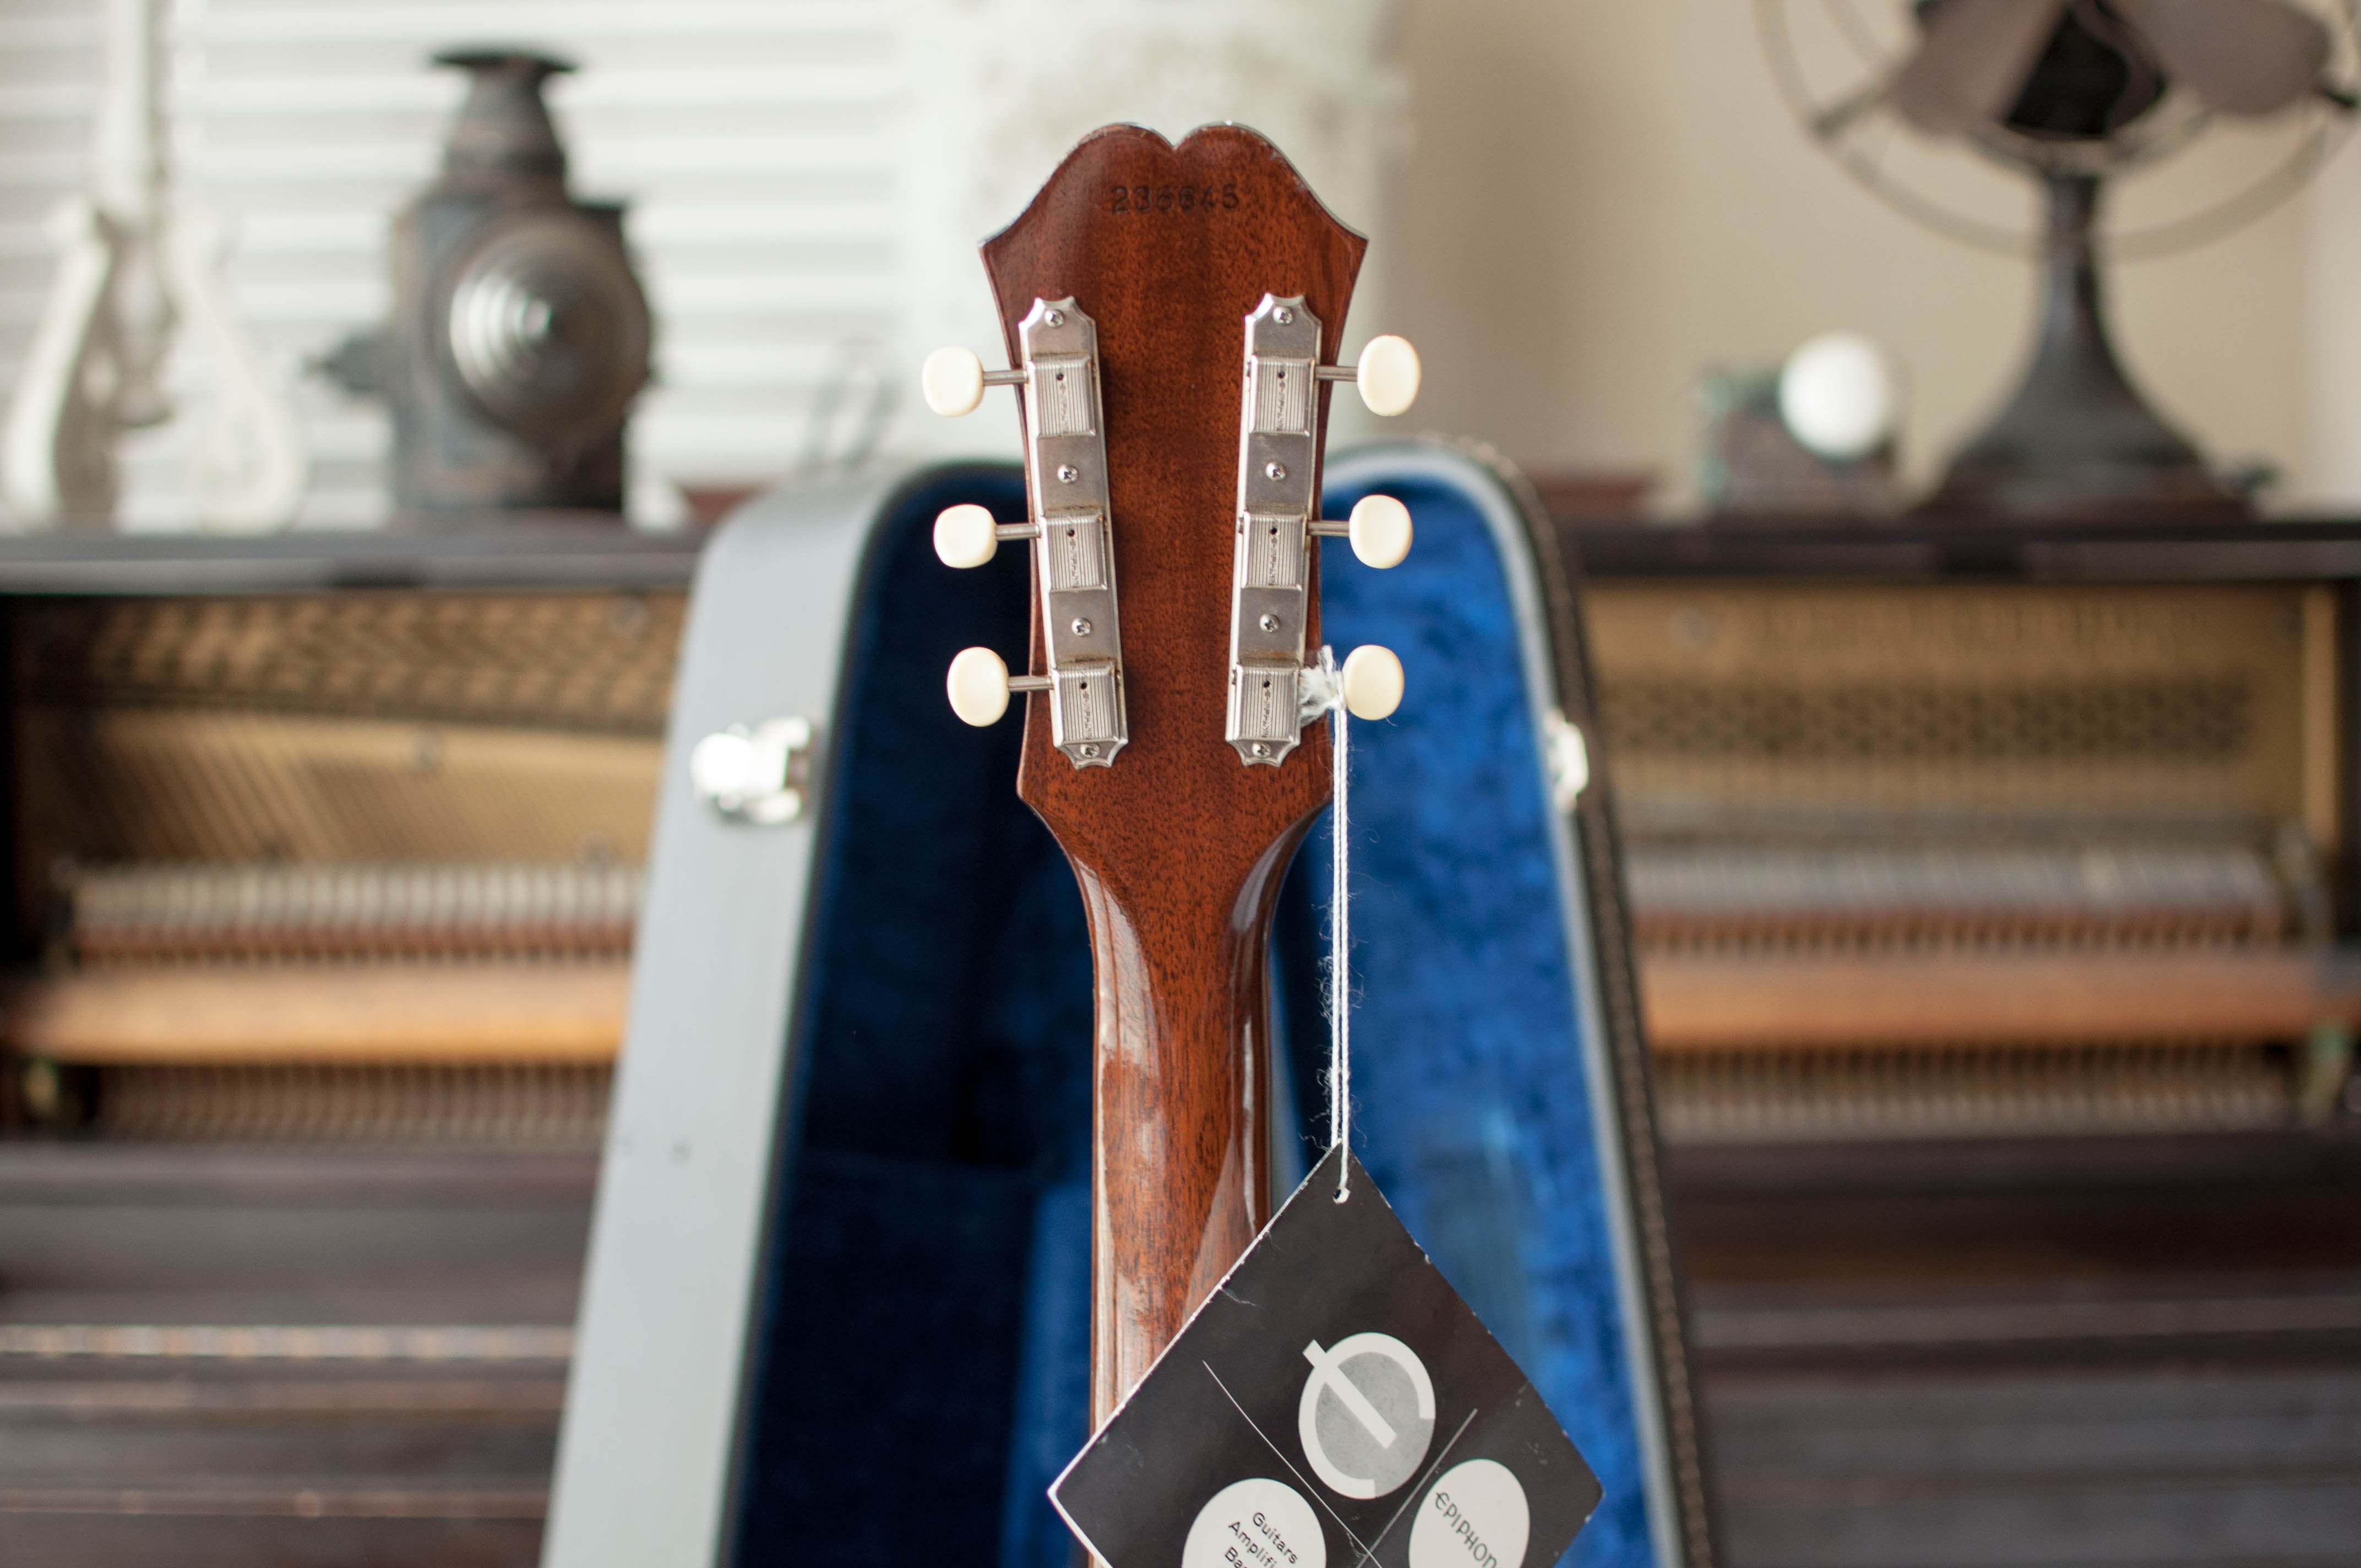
[{"x": 652, "y": 1420}]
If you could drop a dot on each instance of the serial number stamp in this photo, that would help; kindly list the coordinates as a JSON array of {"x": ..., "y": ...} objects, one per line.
[{"x": 1202, "y": 199}]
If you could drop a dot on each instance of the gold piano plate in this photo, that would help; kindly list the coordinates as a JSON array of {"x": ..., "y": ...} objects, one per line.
[
  {"x": 332, "y": 867},
  {"x": 2149, "y": 702},
  {"x": 1934, "y": 859}
]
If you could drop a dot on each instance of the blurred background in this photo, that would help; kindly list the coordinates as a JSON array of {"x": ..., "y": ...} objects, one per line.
[
  {"x": 1992, "y": 862},
  {"x": 1578, "y": 211}
]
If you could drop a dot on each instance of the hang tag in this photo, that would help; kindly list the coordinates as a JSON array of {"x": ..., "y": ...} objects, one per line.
[{"x": 1333, "y": 1403}]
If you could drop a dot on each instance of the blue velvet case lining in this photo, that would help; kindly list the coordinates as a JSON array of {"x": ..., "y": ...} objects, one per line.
[{"x": 921, "y": 1369}]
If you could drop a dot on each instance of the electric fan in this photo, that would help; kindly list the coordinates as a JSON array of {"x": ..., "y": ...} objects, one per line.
[{"x": 2078, "y": 95}]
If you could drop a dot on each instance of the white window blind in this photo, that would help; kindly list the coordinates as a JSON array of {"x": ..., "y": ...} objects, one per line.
[{"x": 752, "y": 140}]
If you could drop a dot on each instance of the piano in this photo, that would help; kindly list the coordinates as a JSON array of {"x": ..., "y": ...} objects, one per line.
[
  {"x": 1996, "y": 892},
  {"x": 1995, "y": 895},
  {"x": 324, "y": 855}
]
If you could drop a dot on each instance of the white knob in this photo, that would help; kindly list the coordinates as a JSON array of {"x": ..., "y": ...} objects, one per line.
[
  {"x": 1373, "y": 682},
  {"x": 1838, "y": 396},
  {"x": 978, "y": 685},
  {"x": 965, "y": 536},
  {"x": 1380, "y": 532},
  {"x": 952, "y": 379},
  {"x": 1387, "y": 375}
]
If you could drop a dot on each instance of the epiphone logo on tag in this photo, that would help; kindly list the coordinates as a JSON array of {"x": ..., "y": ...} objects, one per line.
[
  {"x": 1367, "y": 1413},
  {"x": 1202, "y": 198},
  {"x": 1476, "y": 1517}
]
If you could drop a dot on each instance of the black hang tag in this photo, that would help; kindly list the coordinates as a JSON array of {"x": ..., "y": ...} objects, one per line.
[{"x": 1333, "y": 1403}]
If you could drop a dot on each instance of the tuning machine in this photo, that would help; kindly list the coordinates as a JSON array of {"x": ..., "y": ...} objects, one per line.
[
  {"x": 1387, "y": 375},
  {"x": 953, "y": 379},
  {"x": 1279, "y": 516},
  {"x": 1070, "y": 532},
  {"x": 1371, "y": 679},
  {"x": 968, "y": 535},
  {"x": 1378, "y": 528}
]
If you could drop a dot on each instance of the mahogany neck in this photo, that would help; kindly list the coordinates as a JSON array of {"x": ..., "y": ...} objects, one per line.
[{"x": 1181, "y": 1136}]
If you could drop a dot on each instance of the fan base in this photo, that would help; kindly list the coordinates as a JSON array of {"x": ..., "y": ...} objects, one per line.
[{"x": 2078, "y": 441}]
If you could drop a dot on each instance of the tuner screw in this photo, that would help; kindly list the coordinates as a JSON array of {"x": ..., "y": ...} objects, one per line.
[
  {"x": 1269, "y": 622},
  {"x": 1283, "y": 315},
  {"x": 1068, "y": 472},
  {"x": 965, "y": 535},
  {"x": 1275, "y": 470},
  {"x": 1372, "y": 680},
  {"x": 1380, "y": 532},
  {"x": 1387, "y": 375},
  {"x": 1055, "y": 318},
  {"x": 952, "y": 380},
  {"x": 1081, "y": 627}
]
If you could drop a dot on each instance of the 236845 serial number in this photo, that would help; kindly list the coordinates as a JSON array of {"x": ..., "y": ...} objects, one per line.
[{"x": 1175, "y": 198}]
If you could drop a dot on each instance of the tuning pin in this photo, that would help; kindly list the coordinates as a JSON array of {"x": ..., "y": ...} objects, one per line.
[
  {"x": 953, "y": 380},
  {"x": 1373, "y": 682},
  {"x": 1378, "y": 531},
  {"x": 1387, "y": 375},
  {"x": 965, "y": 536},
  {"x": 979, "y": 685}
]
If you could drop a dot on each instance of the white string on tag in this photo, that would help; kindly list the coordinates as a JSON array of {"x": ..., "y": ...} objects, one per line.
[{"x": 1325, "y": 691}]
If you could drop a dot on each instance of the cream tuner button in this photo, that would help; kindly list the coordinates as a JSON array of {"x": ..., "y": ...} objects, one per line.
[
  {"x": 978, "y": 685},
  {"x": 965, "y": 535},
  {"x": 1380, "y": 532},
  {"x": 1373, "y": 682},
  {"x": 952, "y": 379},
  {"x": 1387, "y": 375}
]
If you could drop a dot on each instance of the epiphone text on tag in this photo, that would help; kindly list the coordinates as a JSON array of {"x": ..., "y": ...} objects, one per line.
[
  {"x": 1206, "y": 199},
  {"x": 1477, "y": 1517}
]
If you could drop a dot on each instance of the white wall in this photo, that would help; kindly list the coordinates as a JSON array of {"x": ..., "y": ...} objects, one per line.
[
  {"x": 1606, "y": 196},
  {"x": 2333, "y": 331}
]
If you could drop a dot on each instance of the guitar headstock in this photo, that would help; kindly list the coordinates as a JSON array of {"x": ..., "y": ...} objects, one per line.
[{"x": 1171, "y": 315}]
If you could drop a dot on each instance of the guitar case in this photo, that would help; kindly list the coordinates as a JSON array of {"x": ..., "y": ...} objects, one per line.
[{"x": 838, "y": 1296}]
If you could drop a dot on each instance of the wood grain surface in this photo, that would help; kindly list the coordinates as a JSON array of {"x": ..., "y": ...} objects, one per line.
[
  {"x": 351, "y": 1012},
  {"x": 1178, "y": 847},
  {"x": 1711, "y": 1002}
]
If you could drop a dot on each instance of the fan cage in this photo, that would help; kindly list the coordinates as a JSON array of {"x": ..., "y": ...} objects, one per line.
[{"x": 1830, "y": 122}]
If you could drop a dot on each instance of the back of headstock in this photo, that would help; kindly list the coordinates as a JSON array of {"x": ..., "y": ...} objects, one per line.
[{"x": 1171, "y": 315}]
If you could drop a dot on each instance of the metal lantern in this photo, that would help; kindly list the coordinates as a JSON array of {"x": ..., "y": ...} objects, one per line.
[{"x": 519, "y": 333}]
